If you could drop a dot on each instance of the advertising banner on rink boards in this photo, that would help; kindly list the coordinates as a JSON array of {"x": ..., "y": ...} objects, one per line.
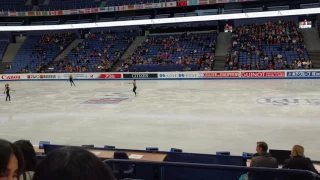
[
  {"x": 263, "y": 74},
  {"x": 178, "y": 75},
  {"x": 11, "y": 77},
  {"x": 221, "y": 74},
  {"x": 75, "y": 76},
  {"x": 303, "y": 74},
  {"x": 44, "y": 76},
  {"x": 109, "y": 76},
  {"x": 140, "y": 76}
]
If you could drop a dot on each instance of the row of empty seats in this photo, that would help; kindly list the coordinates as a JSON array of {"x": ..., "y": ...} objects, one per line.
[
  {"x": 69, "y": 4},
  {"x": 133, "y": 2},
  {"x": 14, "y": 5},
  {"x": 44, "y": 23},
  {"x": 98, "y": 50},
  {"x": 22, "y": 5}
]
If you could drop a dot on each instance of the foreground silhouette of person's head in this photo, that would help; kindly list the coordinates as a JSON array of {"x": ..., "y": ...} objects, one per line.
[
  {"x": 11, "y": 161},
  {"x": 72, "y": 163},
  {"x": 30, "y": 159}
]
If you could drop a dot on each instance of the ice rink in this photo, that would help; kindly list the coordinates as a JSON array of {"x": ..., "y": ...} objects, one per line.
[{"x": 196, "y": 116}]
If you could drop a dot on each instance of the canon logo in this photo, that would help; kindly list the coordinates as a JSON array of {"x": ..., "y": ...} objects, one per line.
[
  {"x": 5, "y": 77},
  {"x": 140, "y": 75}
]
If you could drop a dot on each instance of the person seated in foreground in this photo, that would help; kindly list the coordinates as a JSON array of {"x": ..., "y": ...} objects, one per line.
[
  {"x": 299, "y": 161},
  {"x": 30, "y": 158},
  {"x": 72, "y": 163},
  {"x": 11, "y": 161},
  {"x": 262, "y": 159}
]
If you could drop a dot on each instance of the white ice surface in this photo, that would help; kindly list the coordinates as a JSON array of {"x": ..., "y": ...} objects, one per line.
[{"x": 196, "y": 116}]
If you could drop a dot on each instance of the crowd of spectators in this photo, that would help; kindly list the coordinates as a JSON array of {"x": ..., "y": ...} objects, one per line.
[
  {"x": 267, "y": 46},
  {"x": 97, "y": 53},
  {"x": 183, "y": 49},
  {"x": 49, "y": 43}
]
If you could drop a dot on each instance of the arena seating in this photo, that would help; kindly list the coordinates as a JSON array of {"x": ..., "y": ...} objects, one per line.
[
  {"x": 14, "y": 5},
  {"x": 69, "y": 4},
  {"x": 3, "y": 47},
  {"x": 270, "y": 45},
  {"x": 132, "y": 2},
  {"x": 38, "y": 51},
  {"x": 98, "y": 52},
  {"x": 173, "y": 53},
  {"x": 179, "y": 165}
]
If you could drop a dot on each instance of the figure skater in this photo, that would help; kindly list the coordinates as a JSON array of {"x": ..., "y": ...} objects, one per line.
[
  {"x": 7, "y": 91},
  {"x": 71, "y": 80},
  {"x": 134, "y": 86}
]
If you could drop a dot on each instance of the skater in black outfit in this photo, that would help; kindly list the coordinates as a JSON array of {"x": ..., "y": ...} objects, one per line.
[
  {"x": 134, "y": 86},
  {"x": 71, "y": 80},
  {"x": 7, "y": 91}
]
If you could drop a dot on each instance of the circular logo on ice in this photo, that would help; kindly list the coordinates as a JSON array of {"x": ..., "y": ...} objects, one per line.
[{"x": 289, "y": 101}]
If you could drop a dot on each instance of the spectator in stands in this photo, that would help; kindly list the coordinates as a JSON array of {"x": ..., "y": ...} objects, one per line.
[
  {"x": 262, "y": 159},
  {"x": 72, "y": 163},
  {"x": 299, "y": 161},
  {"x": 29, "y": 158},
  {"x": 11, "y": 161},
  {"x": 9, "y": 66},
  {"x": 283, "y": 35}
]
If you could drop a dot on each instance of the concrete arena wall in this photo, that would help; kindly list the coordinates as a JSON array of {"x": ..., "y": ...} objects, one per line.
[{"x": 189, "y": 75}]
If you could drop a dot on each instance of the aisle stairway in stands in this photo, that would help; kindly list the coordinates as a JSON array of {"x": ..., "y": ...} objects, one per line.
[
  {"x": 3, "y": 67},
  {"x": 11, "y": 52},
  {"x": 9, "y": 55},
  {"x": 222, "y": 50},
  {"x": 65, "y": 52},
  {"x": 137, "y": 42},
  {"x": 312, "y": 41},
  {"x": 315, "y": 59}
]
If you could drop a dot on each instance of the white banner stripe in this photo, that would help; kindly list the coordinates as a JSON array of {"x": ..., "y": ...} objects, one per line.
[{"x": 165, "y": 20}]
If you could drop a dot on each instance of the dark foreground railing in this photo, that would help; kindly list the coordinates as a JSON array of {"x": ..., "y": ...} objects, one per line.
[{"x": 146, "y": 170}]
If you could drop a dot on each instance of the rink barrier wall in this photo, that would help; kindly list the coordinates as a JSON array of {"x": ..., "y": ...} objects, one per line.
[{"x": 189, "y": 75}]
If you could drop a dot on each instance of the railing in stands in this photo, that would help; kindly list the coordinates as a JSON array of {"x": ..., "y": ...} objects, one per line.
[{"x": 146, "y": 170}]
